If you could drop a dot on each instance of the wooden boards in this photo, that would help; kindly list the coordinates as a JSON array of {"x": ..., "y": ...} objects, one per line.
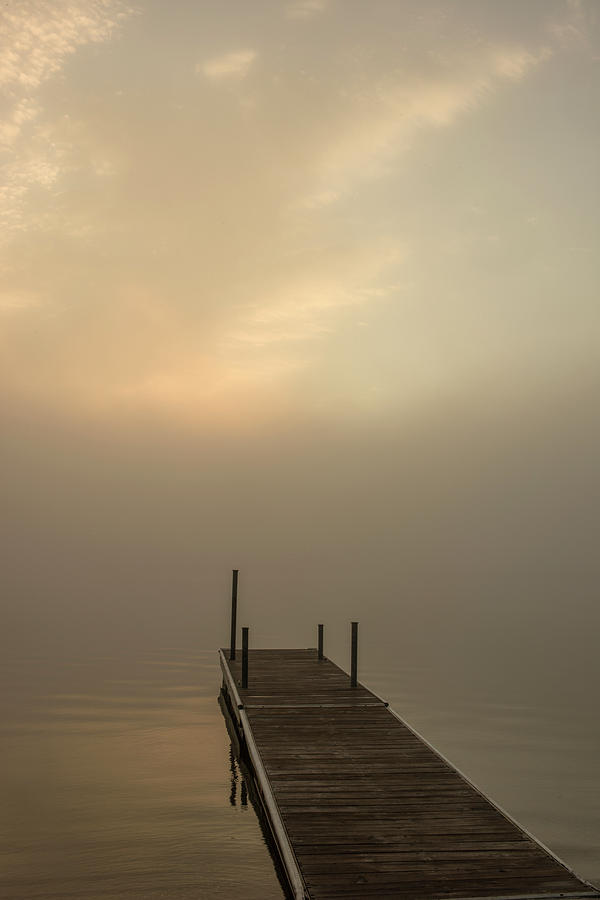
[{"x": 366, "y": 808}]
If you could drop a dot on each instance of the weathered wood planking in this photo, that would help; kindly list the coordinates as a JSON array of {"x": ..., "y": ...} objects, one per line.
[{"x": 361, "y": 806}]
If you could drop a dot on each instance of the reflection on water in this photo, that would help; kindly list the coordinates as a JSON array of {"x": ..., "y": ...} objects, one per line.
[
  {"x": 120, "y": 782},
  {"x": 236, "y": 776},
  {"x": 119, "y": 779}
]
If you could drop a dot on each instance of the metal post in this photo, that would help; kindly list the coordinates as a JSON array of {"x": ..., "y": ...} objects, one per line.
[
  {"x": 234, "y": 584},
  {"x": 320, "y": 627},
  {"x": 354, "y": 658},
  {"x": 244, "y": 657}
]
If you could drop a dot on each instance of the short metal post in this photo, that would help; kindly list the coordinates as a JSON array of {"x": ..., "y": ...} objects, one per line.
[
  {"x": 354, "y": 658},
  {"x": 244, "y": 657},
  {"x": 234, "y": 584},
  {"x": 320, "y": 627}
]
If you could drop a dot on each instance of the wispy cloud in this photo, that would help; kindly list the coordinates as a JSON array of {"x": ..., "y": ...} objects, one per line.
[
  {"x": 305, "y": 9},
  {"x": 268, "y": 342},
  {"x": 319, "y": 200},
  {"x": 228, "y": 66},
  {"x": 14, "y": 302},
  {"x": 231, "y": 246},
  {"x": 384, "y": 121},
  {"x": 572, "y": 27},
  {"x": 515, "y": 62},
  {"x": 37, "y": 38},
  {"x": 306, "y": 306},
  {"x": 34, "y": 167}
]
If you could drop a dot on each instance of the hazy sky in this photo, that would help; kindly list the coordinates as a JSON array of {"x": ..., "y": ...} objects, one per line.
[{"x": 307, "y": 286}]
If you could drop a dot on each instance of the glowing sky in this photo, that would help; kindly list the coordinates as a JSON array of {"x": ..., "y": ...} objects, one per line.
[
  {"x": 307, "y": 288},
  {"x": 224, "y": 210}
]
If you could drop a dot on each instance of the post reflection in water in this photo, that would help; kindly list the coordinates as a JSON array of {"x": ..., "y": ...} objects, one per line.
[
  {"x": 234, "y": 776},
  {"x": 240, "y": 773},
  {"x": 237, "y": 775}
]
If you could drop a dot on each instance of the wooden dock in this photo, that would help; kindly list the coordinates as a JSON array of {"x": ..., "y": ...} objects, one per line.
[{"x": 361, "y": 806}]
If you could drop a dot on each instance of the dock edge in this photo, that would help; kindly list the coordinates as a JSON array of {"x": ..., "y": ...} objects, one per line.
[
  {"x": 579, "y": 895},
  {"x": 278, "y": 830}
]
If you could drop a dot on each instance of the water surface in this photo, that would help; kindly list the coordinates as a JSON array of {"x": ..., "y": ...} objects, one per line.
[
  {"x": 119, "y": 784},
  {"x": 119, "y": 780}
]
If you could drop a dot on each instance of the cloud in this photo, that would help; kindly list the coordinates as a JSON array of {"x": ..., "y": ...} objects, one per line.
[
  {"x": 37, "y": 40},
  {"x": 574, "y": 29},
  {"x": 235, "y": 247},
  {"x": 229, "y": 66},
  {"x": 305, "y": 307},
  {"x": 384, "y": 120},
  {"x": 22, "y": 111},
  {"x": 306, "y": 9},
  {"x": 38, "y": 37},
  {"x": 14, "y": 302},
  {"x": 320, "y": 200},
  {"x": 516, "y": 62},
  {"x": 259, "y": 349}
]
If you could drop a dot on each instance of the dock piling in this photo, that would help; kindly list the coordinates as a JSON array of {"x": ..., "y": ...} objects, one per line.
[
  {"x": 354, "y": 656},
  {"x": 244, "y": 657},
  {"x": 320, "y": 627},
  {"x": 234, "y": 587}
]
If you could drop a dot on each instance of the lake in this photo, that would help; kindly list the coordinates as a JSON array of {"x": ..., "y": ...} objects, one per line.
[{"x": 119, "y": 781}]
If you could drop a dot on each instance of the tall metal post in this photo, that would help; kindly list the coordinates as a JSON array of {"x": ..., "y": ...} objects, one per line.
[
  {"x": 354, "y": 657},
  {"x": 244, "y": 657},
  {"x": 320, "y": 627},
  {"x": 234, "y": 584}
]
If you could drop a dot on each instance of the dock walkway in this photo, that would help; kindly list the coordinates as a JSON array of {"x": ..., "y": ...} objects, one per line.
[{"x": 361, "y": 806}]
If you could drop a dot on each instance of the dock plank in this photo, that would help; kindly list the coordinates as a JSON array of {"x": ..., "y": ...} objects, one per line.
[{"x": 368, "y": 807}]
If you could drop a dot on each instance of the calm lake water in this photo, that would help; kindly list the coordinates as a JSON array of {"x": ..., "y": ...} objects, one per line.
[{"x": 118, "y": 779}]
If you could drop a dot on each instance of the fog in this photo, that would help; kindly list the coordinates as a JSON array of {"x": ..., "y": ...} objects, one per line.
[
  {"x": 464, "y": 540},
  {"x": 307, "y": 289}
]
